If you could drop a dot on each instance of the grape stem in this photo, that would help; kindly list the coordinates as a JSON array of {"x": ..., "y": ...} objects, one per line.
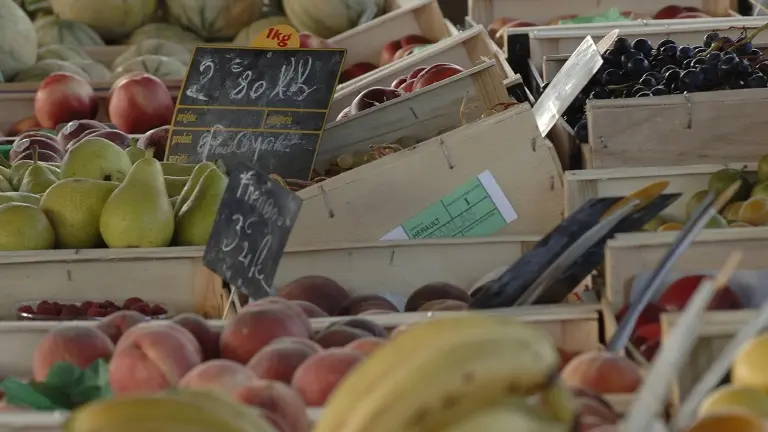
[{"x": 721, "y": 41}]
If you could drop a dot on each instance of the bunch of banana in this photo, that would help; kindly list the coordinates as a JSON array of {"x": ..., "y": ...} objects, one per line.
[
  {"x": 469, "y": 373},
  {"x": 183, "y": 411}
]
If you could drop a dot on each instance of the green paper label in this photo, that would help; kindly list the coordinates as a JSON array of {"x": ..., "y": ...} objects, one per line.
[{"x": 476, "y": 208}]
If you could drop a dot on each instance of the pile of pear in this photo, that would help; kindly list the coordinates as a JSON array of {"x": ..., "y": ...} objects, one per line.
[
  {"x": 103, "y": 196},
  {"x": 747, "y": 208}
]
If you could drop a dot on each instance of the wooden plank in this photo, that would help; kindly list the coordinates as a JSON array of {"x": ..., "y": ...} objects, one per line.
[
  {"x": 583, "y": 185},
  {"x": 700, "y": 128},
  {"x": 542, "y": 11},
  {"x": 367, "y": 202},
  {"x": 629, "y": 255},
  {"x": 417, "y": 116},
  {"x": 466, "y": 49}
]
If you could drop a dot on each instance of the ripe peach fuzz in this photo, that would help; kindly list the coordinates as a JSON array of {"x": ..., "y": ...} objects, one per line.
[
  {"x": 116, "y": 324},
  {"x": 207, "y": 337},
  {"x": 279, "y": 361},
  {"x": 321, "y": 291},
  {"x": 366, "y": 345},
  {"x": 220, "y": 375},
  {"x": 80, "y": 346},
  {"x": 152, "y": 357},
  {"x": 602, "y": 372},
  {"x": 301, "y": 341},
  {"x": 279, "y": 301},
  {"x": 317, "y": 377},
  {"x": 253, "y": 328},
  {"x": 338, "y": 336},
  {"x": 278, "y": 399}
]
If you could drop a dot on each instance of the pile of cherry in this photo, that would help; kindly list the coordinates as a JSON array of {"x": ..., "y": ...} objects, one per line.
[
  {"x": 638, "y": 69},
  {"x": 46, "y": 310}
]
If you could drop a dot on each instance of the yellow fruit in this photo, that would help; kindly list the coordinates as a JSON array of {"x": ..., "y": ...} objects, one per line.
[
  {"x": 754, "y": 211},
  {"x": 731, "y": 421},
  {"x": 739, "y": 225},
  {"x": 748, "y": 369},
  {"x": 731, "y": 397},
  {"x": 654, "y": 224},
  {"x": 731, "y": 211},
  {"x": 671, "y": 226}
]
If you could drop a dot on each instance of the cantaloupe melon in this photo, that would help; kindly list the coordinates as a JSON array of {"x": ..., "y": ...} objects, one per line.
[
  {"x": 154, "y": 47},
  {"x": 61, "y": 52},
  {"x": 40, "y": 70},
  {"x": 18, "y": 41},
  {"x": 246, "y": 35},
  {"x": 52, "y": 30},
  {"x": 214, "y": 19},
  {"x": 96, "y": 71},
  {"x": 161, "y": 67},
  {"x": 327, "y": 18},
  {"x": 111, "y": 19},
  {"x": 163, "y": 31}
]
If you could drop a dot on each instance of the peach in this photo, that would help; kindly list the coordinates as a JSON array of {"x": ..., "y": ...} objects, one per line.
[
  {"x": 318, "y": 376},
  {"x": 363, "y": 324},
  {"x": 310, "y": 310},
  {"x": 278, "y": 399},
  {"x": 152, "y": 357},
  {"x": 358, "y": 304},
  {"x": 279, "y": 361},
  {"x": 116, "y": 324},
  {"x": 253, "y": 328},
  {"x": 338, "y": 336},
  {"x": 207, "y": 337},
  {"x": 366, "y": 345},
  {"x": 321, "y": 291},
  {"x": 444, "y": 305},
  {"x": 80, "y": 346},
  {"x": 63, "y": 97},
  {"x": 602, "y": 372},
  {"x": 434, "y": 291},
  {"x": 301, "y": 341},
  {"x": 292, "y": 307},
  {"x": 220, "y": 375}
]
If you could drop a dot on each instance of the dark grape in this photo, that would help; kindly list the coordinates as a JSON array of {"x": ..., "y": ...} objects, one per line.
[
  {"x": 637, "y": 90},
  {"x": 664, "y": 43},
  {"x": 667, "y": 69},
  {"x": 755, "y": 53},
  {"x": 669, "y": 50},
  {"x": 659, "y": 91},
  {"x": 687, "y": 64},
  {"x": 673, "y": 75},
  {"x": 638, "y": 66},
  {"x": 612, "y": 59},
  {"x": 729, "y": 65},
  {"x": 710, "y": 38},
  {"x": 684, "y": 53},
  {"x": 697, "y": 47},
  {"x": 711, "y": 78},
  {"x": 714, "y": 58},
  {"x": 612, "y": 77},
  {"x": 691, "y": 80},
  {"x": 647, "y": 82},
  {"x": 644, "y": 94},
  {"x": 580, "y": 132},
  {"x": 757, "y": 80},
  {"x": 742, "y": 49},
  {"x": 600, "y": 93},
  {"x": 629, "y": 56},
  {"x": 621, "y": 46},
  {"x": 643, "y": 45},
  {"x": 699, "y": 51},
  {"x": 728, "y": 54},
  {"x": 762, "y": 67},
  {"x": 654, "y": 75},
  {"x": 698, "y": 61},
  {"x": 737, "y": 84},
  {"x": 726, "y": 43}
]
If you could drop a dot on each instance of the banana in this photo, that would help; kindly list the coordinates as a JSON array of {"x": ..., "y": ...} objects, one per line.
[
  {"x": 509, "y": 416},
  {"x": 559, "y": 402},
  {"x": 226, "y": 408},
  {"x": 159, "y": 413},
  {"x": 439, "y": 371}
]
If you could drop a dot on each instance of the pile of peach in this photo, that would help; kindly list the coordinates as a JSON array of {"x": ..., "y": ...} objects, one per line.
[
  {"x": 392, "y": 51},
  {"x": 420, "y": 77}
]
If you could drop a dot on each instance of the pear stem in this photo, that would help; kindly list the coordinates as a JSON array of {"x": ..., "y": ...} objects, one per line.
[
  {"x": 150, "y": 151},
  {"x": 34, "y": 155}
]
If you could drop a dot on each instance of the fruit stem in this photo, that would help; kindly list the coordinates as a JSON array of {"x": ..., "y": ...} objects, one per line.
[
  {"x": 720, "y": 41},
  {"x": 34, "y": 155},
  {"x": 150, "y": 151}
]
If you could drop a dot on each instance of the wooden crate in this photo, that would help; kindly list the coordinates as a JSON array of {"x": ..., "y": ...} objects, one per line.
[
  {"x": 364, "y": 43},
  {"x": 465, "y": 49},
  {"x": 417, "y": 116},
  {"x": 716, "y": 127},
  {"x": 632, "y": 256},
  {"x": 17, "y": 100},
  {"x": 583, "y": 185},
  {"x": 542, "y": 11},
  {"x": 366, "y": 203}
]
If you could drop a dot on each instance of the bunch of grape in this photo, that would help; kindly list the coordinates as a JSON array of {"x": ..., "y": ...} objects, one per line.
[{"x": 638, "y": 69}]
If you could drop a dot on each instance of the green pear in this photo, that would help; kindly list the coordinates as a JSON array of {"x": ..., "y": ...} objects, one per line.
[
  {"x": 25, "y": 227},
  {"x": 760, "y": 190},
  {"x": 717, "y": 221},
  {"x": 56, "y": 165},
  {"x": 5, "y": 173},
  {"x": 134, "y": 153},
  {"x": 191, "y": 185},
  {"x": 4, "y": 185},
  {"x": 722, "y": 179},
  {"x": 139, "y": 213},
  {"x": 4, "y": 162},
  {"x": 654, "y": 224},
  {"x": 19, "y": 197},
  {"x": 73, "y": 206},
  {"x": 175, "y": 185},
  {"x": 694, "y": 201},
  {"x": 762, "y": 169},
  {"x": 38, "y": 178},
  {"x": 195, "y": 220},
  {"x": 19, "y": 169},
  {"x": 174, "y": 200},
  {"x": 173, "y": 169},
  {"x": 53, "y": 170},
  {"x": 97, "y": 159}
]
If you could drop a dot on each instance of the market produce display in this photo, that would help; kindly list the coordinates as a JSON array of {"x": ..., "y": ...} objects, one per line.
[
  {"x": 45, "y": 310},
  {"x": 391, "y": 52}
]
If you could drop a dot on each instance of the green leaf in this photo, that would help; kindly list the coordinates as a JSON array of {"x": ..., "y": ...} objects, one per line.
[
  {"x": 58, "y": 395},
  {"x": 65, "y": 375},
  {"x": 18, "y": 393},
  {"x": 95, "y": 384}
]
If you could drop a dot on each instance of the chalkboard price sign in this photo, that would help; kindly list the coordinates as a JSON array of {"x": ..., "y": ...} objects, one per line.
[
  {"x": 255, "y": 218},
  {"x": 265, "y": 106}
]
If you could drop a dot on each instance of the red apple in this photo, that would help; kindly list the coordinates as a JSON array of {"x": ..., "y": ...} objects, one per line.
[
  {"x": 429, "y": 77},
  {"x": 407, "y": 86},
  {"x": 373, "y": 96},
  {"x": 668, "y": 12},
  {"x": 63, "y": 97},
  {"x": 388, "y": 52},
  {"x": 356, "y": 70},
  {"x": 43, "y": 142},
  {"x": 645, "y": 333},
  {"x": 156, "y": 139},
  {"x": 431, "y": 68},
  {"x": 42, "y": 156},
  {"x": 308, "y": 40},
  {"x": 405, "y": 51},
  {"x": 648, "y": 348},
  {"x": 416, "y": 72},
  {"x": 23, "y": 125},
  {"x": 414, "y": 39},
  {"x": 344, "y": 113},
  {"x": 74, "y": 129},
  {"x": 140, "y": 102},
  {"x": 686, "y": 15},
  {"x": 677, "y": 294},
  {"x": 121, "y": 139},
  {"x": 398, "y": 82}
]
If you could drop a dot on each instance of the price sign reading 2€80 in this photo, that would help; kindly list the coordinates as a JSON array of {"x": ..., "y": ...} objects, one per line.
[{"x": 266, "y": 106}]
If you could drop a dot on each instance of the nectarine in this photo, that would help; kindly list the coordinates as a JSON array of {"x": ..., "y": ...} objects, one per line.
[
  {"x": 360, "y": 303},
  {"x": 602, "y": 372},
  {"x": 301, "y": 341},
  {"x": 116, "y": 324},
  {"x": 321, "y": 291},
  {"x": 366, "y": 345},
  {"x": 310, "y": 310},
  {"x": 63, "y": 97},
  {"x": 429, "y": 77},
  {"x": 338, "y": 336},
  {"x": 372, "y": 97},
  {"x": 219, "y": 375},
  {"x": 434, "y": 291},
  {"x": 318, "y": 376},
  {"x": 202, "y": 332},
  {"x": 279, "y": 399},
  {"x": 254, "y": 328},
  {"x": 279, "y": 361},
  {"x": 78, "y": 345},
  {"x": 139, "y": 103}
]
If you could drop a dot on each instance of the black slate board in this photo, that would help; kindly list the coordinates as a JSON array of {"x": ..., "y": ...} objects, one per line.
[
  {"x": 255, "y": 218},
  {"x": 508, "y": 288},
  {"x": 265, "y": 106}
]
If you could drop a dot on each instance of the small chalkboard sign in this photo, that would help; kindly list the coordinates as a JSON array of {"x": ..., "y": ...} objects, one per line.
[
  {"x": 255, "y": 218},
  {"x": 266, "y": 106}
]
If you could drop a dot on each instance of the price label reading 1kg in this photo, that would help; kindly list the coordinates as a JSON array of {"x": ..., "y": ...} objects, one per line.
[
  {"x": 266, "y": 106},
  {"x": 255, "y": 218}
]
